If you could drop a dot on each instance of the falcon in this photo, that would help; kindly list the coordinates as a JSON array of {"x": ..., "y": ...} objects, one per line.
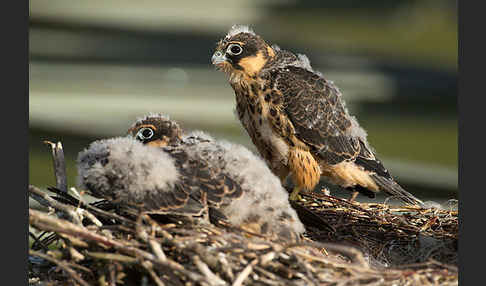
[
  {"x": 188, "y": 178},
  {"x": 297, "y": 119}
]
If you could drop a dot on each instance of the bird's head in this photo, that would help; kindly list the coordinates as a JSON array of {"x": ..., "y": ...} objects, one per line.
[
  {"x": 156, "y": 130},
  {"x": 241, "y": 50}
]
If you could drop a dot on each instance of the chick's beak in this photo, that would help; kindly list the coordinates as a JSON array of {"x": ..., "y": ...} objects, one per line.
[{"x": 219, "y": 58}]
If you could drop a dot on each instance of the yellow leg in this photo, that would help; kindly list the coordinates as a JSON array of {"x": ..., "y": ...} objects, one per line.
[{"x": 294, "y": 196}]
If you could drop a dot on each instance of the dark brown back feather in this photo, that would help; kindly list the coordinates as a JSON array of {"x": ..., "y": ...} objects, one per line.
[
  {"x": 197, "y": 178},
  {"x": 317, "y": 113}
]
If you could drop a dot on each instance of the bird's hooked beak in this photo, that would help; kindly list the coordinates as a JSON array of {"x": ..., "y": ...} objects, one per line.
[{"x": 219, "y": 58}]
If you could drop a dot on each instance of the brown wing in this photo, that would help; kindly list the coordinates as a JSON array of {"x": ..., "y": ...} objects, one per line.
[
  {"x": 318, "y": 116},
  {"x": 197, "y": 178},
  {"x": 316, "y": 111}
]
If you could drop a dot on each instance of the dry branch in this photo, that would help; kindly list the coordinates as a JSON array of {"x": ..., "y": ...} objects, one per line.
[{"x": 59, "y": 165}]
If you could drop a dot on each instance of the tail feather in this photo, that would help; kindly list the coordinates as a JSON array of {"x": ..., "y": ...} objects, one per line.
[{"x": 392, "y": 188}]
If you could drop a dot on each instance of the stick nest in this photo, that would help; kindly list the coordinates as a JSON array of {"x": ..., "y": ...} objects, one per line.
[{"x": 346, "y": 243}]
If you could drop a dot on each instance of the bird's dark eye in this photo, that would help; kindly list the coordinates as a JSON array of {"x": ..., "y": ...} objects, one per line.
[
  {"x": 145, "y": 134},
  {"x": 234, "y": 49}
]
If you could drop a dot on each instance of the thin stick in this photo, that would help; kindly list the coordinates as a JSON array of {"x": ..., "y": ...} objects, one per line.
[
  {"x": 112, "y": 256},
  {"x": 61, "y": 264},
  {"x": 92, "y": 208},
  {"x": 59, "y": 165},
  {"x": 157, "y": 249},
  {"x": 46, "y": 222},
  {"x": 149, "y": 267},
  {"x": 45, "y": 198},
  {"x": 203, "y": 267},
  {"x": 245, "y": 273}
]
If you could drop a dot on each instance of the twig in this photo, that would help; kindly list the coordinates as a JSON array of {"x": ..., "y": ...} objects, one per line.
[
  {"x": 69, "y": 210},
  {"x": 245, "y": 273},
  {"x": 149, "y": 267},
  {"x": 355, "y": 255},
  {"x": 92, "y": 208},
  {"x": 427, "y": 264},
  {"x": 157, "y": 249},
  {"x": 61, "y": 264},
  {"x": 111, "y": 256},
  {"x": 352, "y": 204},
  {"x": 112, "y": 270},
  {"x": 46, "y": 222},
  {"x": 59, "y": 165},
  {"x": 203, "y": 267}
]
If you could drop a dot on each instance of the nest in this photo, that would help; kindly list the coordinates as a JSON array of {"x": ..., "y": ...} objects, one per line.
[{"x": 346, "y": 243}]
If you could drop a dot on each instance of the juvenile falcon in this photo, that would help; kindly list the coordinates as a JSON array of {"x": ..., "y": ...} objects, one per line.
[
  {"x": 297, "y": 119},
  {"x": 180, "y": 178}
]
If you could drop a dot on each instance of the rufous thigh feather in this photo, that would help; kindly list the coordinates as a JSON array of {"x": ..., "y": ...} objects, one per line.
[{"x": 305, "y": 169}]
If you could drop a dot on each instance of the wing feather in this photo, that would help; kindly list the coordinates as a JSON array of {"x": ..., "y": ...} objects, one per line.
[
  {"x": 319, "y": 119},
  {"x": 317, "y": 113},
  {"x": 198, "y": 178}
]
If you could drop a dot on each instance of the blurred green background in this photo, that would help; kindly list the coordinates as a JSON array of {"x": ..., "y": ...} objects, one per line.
[{"x": 95, "y": 66}]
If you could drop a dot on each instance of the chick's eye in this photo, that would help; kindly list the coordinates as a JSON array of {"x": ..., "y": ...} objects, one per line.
[
  {"x": 234, "y": 49},
  {"x": 145, "y": 133}
]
